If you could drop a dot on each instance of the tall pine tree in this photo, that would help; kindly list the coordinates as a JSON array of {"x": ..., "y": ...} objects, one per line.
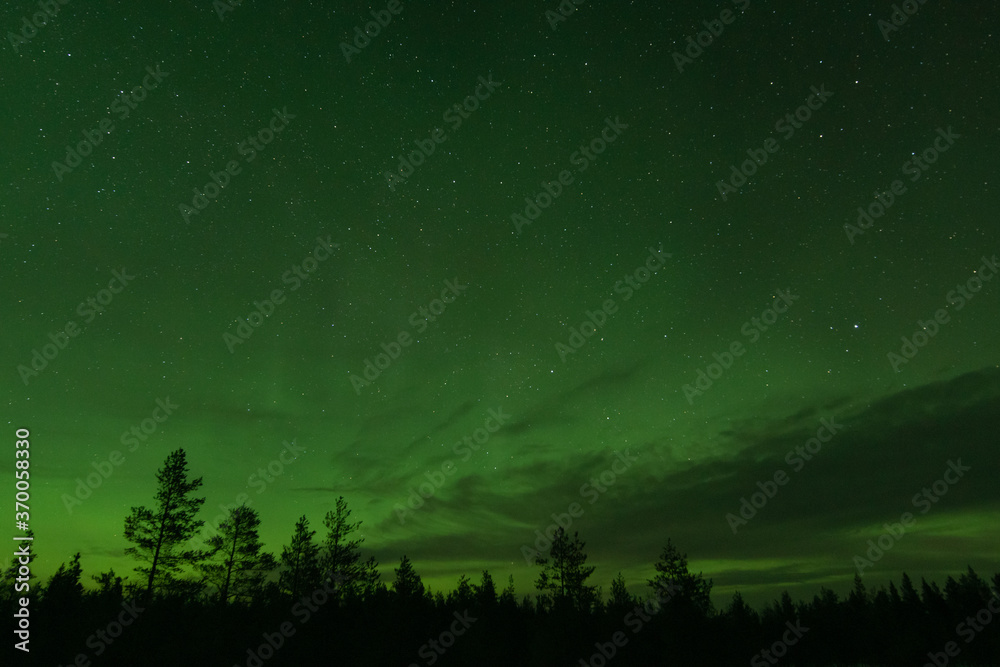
[
  {"x": 159, "y": 535},
  {"x": 564, "y": 574},
  {"x": 408, "y": 585},
  {"x": 675, "y": 582},
  {"x": 237, "y": 565},
  {"x": 341, "y": 559},
  {"x": 301, "y": 573}
]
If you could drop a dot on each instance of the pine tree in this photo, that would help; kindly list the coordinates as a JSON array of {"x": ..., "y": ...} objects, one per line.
[
  {"x": 673, "y": 581},
  {"x": 341, "y": 559},
  {"x": 237, "y": 565},
  {"x": 776, "y": 614},
  {"x": 463, "y": 595},
  {"x": 301, "y": 562},
  {"x": 933, "y": 599},
  {"x": 858, "y": 598},
  {"x": 787, "y": 606},
  {"x": 160, "y": 535},
  {"x": 740, "y": 612},
  {"x": 508, "y": 598},
  {"x": 110, "y": 587},
  {"x": 909, "y": 593},
  {"x": 973, "y": 590},
  {"x": 486, "y": 591},
  {"x": 894, "y": 597},
  {"x": 371, "y": 580},
  {"x": 407, "y": 585},
  {"x": 64, "y": 590},
  {"x": 564, "y": 574},
  {"x": 621, "y": 600}
]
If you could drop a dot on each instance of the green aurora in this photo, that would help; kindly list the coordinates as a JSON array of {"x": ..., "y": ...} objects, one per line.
[{"x": 571, "y": 299}]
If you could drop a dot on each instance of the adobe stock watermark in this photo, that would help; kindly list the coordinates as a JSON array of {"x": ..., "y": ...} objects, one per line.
[
  {"x": 565, "y": 9},
  {"x": 276, "y": 467},
  {"x": 141, "y": 432},
  {"x": 899, "y": 17},
  {"x": 248, "y": 150},
  {"x": 302, "y": 610},
  {"x": 418, "y": 320},
  {"x": 455, "y": 115},
  {"x": 101, "y": 639},
  {"x": 635, "y": 620},
  {"x": 465, "y": 448},
  {"x": 968, "y": 630},
  {"x": 913, "y": 168},
  {"x": 435, "y": 648},
  {"x": 294, "y": 276},
  {"x": 796, "y": 458},
  {"x": 40, "y": 19},
  {"x": 696, "y": 44},
  {"x": 779, "y": 649},
  {"x": 925, "y": 499},
  {"x": 223, "y": 7},
  {"x": 104, "y": 469},
  {"x": 958, "y": 297},
  {"x": 759, "y": 156},
  {"x": 631, "y": 283},
  {"x": 591, "y": 490},
  {"x": 122, "y": 106},
  {"x": 362, "y": 38},
  {"x": 268, "y": 473},
  {"x": 88, "y": 309},
  {"x": 581, "y": 158},
  {"x": 752, "y": 329}
]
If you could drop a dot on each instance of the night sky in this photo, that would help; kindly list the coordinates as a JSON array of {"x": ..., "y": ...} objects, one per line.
[{"x": 541, "y": 226}]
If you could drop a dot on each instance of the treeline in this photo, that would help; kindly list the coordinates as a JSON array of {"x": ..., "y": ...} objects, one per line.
[{"x": 320, "y": 602}]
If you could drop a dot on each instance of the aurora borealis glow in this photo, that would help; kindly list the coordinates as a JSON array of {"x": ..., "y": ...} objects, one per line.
[{"x": 513, "y": 314}]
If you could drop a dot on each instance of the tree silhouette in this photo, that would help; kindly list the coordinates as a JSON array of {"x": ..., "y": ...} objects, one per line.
[
  {"x": 683, "y": 588},
  {"x": 110, "y": 587},
  {"x": 237, "y": 566},
  {"x": 908, "y": 593},
  {"x": 564, "y": 573},
  {"x": 858, "y": 598},
  {"x": 934, "y": 602},
  {"x": 508, "y": 598},
  {"x": 64, "y": 589},
  {"x": 621, "y": 600},
  {"x": 740, "y": 611},
  {"x": 159, "y": 535},
  {"x": 301, "y": 562},
  {"x": 973, "y": 591},
  {"x": 740, "y": 622},
  {"x": 882, "y": 626},
  {"x": 463, "y": 595},
  {"x": 371, "y": 580},
  {"x": 407, "y": 585},
  {"x": 486, "y": 591},
  {"x": 341, "y": 559}
]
